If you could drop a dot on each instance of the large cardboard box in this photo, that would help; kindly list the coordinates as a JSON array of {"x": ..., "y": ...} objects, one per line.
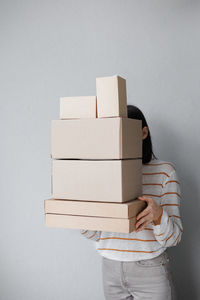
[
  {"x": 97, "y": 180},
  {"x": 99, "y": 209},
  {"x": 111, "y": 97},
  {"x": 78, "y": 107},
  {"x": 107, "y": 138},
  {"x": 90, "y": 223}
]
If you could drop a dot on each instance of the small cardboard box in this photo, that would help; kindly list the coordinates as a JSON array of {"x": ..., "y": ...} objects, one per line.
[
  {"x": 78, "y": 107},
  {"x": 111, "y": 97},
  {"x": 95, "y": 209},
  {"x": 107, "y": 138},
  {"x": 90, "y": 223},
  {"x": 97, "y": 180}
]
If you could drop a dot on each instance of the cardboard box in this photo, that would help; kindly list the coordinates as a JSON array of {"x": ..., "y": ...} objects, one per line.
[
  {"x": 90, "y": 223},
  {"x": 78, "y": 107},
  {"x": 99, "y": 209},
  {"x": 109, "y": 138},
  {"x": 97, "y": 180},
  {"x": 111, "y": 97}
]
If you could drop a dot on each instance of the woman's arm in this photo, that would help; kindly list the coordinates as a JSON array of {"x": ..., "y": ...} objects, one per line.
[
  {"x": 168, "y": 232},
  {"x": 165, "y": 218},
  {"x": 91, "y": 234}
]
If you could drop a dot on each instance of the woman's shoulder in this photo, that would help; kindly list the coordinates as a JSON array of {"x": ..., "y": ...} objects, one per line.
[{"x": 157, "y": 165}]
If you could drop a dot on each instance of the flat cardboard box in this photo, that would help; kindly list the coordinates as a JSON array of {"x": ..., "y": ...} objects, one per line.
[
  {"x": 106, "y": 138},
  {"x": 90, "y": 223},
  {"x": 91, "y": 208},
  {"x": 111, "y": 97},
  {"x": 78, "y": 107},
  {"x": 97, "y": 180}
]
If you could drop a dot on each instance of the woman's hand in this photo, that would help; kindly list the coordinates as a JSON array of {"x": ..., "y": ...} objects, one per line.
[{"x": 152, "y": 213}]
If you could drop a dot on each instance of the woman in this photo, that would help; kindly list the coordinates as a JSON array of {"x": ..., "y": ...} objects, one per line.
[{"x": 135, "y": 265}]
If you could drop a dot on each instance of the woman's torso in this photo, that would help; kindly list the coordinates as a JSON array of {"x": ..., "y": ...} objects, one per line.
[{"x": 141, "y": 245}]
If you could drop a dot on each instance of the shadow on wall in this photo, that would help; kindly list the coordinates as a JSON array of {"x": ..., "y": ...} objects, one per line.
[{"x": 184, "y": 257}]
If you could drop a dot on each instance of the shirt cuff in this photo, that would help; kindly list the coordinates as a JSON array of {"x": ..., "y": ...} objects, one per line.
[{"x": 161, "y": 228}]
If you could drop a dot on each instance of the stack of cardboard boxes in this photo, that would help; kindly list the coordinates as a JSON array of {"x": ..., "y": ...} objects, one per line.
[{"x": 96, "y": 155}]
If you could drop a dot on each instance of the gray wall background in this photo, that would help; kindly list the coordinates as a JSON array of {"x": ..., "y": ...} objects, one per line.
[{"x": 57, "y": 48}]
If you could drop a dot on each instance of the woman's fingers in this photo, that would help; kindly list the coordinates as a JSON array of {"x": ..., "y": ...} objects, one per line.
[
  {"x": 142, "y": 220},
  {"x": 146, "y": 210},
  {"x": 141, "y": 227},
  {"x": 143, "y": 213}
]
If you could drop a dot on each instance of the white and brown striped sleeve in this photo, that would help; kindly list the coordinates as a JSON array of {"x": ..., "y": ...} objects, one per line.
[
  {"x": 169, "y": 232},
  {"x": 91, "y": 234}
]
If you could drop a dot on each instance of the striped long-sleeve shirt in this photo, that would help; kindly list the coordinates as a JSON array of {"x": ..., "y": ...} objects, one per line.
[{"x": 160, "y": 182}]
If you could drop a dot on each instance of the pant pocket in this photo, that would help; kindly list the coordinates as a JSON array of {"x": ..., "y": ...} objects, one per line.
[{"x": 157, "y": 261}]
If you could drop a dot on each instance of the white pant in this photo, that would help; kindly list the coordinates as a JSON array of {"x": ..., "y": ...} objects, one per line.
[{"x": 138, "y": 280}]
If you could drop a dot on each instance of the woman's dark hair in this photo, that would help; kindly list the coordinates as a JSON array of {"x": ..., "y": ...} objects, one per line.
[{"x": 147, "y": 149}]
